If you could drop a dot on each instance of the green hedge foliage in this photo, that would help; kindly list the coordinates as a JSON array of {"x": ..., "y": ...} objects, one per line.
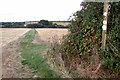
[{"x": 86, "y": 33}]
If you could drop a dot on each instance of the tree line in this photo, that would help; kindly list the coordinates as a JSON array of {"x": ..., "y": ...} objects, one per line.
[{"x": 40, "y": 24}]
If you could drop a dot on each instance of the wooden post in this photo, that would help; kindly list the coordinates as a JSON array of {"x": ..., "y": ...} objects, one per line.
[{"x": 104, "y": 27}]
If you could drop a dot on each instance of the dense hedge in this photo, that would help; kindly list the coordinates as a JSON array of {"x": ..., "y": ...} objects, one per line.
[{"x": 86, "y": 33}]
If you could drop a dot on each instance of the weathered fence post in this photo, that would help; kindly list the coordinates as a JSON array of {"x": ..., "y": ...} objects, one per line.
[{"x": 104, "y": 27}]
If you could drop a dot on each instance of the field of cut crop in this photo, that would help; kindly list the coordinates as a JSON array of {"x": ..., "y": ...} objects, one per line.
[
  {"x": 11, "y": 58},
  {"x": 8, "y": 35},
  {"x": 48, "y": 35}
]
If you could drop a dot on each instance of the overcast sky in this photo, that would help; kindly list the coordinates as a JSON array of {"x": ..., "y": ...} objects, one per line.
[{"x": 35, "y": 10}]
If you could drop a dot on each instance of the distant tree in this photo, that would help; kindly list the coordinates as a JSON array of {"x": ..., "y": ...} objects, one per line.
[{"x": 44, "y": 22}]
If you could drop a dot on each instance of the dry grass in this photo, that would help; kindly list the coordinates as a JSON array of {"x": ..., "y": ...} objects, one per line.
[{"x": 55, "y": 59}]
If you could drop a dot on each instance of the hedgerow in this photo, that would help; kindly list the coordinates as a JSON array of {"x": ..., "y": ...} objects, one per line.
[{"x": 86, "y": 33}]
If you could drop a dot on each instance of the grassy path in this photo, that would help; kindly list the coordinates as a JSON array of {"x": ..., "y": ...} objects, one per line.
[{"x": 32, "y": 55}]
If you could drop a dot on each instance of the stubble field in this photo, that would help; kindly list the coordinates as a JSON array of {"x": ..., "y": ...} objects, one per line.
[
  {"x": 8, "y": 43},
  {"x": 8, "y": 35},
  {"x": 48, "y": 35}
]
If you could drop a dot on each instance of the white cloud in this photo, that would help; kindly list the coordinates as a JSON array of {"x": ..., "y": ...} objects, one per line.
[{"x": 23, "y": 10}]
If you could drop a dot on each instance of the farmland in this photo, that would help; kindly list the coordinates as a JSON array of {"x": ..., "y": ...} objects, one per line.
[
  {"x": 12, "y": 53},
  {"x": 90, "y": 49},
  {"x": 8, "y": 35},
  {"x": 47, "y": 35}
]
